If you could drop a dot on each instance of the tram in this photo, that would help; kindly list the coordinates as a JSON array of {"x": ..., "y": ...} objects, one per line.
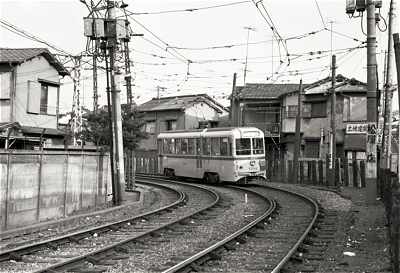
[{"x": 213, "y": 154}]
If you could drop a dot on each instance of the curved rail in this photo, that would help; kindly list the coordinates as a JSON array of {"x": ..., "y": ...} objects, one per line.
[
  {"x": 73, "y": 262},
  {"x": 292, "y": 251},
  {"x": 272, "y": 207},
  {"x": 16, "y": 253}
]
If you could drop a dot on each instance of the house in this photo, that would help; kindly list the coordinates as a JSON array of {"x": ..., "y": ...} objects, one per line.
[
  {"x": 260, "y": 105},
  {"x": 29, "y": 97},
  {"x": 351, "y": 110},
  {"x": 176, "y": 113}
]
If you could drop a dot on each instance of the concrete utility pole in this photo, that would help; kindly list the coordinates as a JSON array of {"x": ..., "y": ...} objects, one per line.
[
  {"x": 388, "y": 87},
  {"x": 118, "y": 150},
  {"x": 371, "y": 165},
  {"x": 332, "y": 141},
  {"x": 296, "y": 154}
]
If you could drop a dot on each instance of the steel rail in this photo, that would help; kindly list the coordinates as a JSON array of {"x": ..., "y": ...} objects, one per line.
[
  {"x": 73, "y": 262},
  {"x": 292, "y": 251},
  {"x": 272, "y": 207},
  {"x": 34, "y": 247},
  {"x": 186, "y": 263}
]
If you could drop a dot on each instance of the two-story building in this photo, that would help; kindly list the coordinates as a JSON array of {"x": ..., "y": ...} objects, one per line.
[
  {"x": 351, "y": 109},
  {"x": 29, "y": 97},
  {"x": 178, "y": 113},
  {"x": 273, "y": 109}
]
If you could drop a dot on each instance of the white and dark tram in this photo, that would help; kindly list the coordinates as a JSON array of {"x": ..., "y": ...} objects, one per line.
[{"x": 214, "y": 154}]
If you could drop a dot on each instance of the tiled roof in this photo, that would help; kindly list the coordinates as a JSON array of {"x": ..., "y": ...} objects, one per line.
[
  {"x": 343, "y": 84},
  {"x": 178, "y": 103},
  {"x": 265, "y": 90},
  {"x": 20, "y": 55}
]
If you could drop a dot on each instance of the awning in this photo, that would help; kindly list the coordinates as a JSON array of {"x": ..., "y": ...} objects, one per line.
[
  {"x": 355, "y": 142},
  {"x": 39, "y": 131}
]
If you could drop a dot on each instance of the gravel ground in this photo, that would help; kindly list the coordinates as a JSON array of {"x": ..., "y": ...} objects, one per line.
[
  {"x": 154, "y": 199},
  {"x": 200, "y": 234},
  {"x": 196, "y": 200},
  {"x": 361, "y": 231}
]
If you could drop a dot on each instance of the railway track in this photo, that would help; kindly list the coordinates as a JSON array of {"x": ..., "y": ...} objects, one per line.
[
  {"x": 33, "y": 257},
  {"x": 288, "y": 229},
  {"x": 110, "y": 254}
]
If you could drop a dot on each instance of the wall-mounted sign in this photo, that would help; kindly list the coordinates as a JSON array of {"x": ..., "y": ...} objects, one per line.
[{"x": 374, "y": 133}]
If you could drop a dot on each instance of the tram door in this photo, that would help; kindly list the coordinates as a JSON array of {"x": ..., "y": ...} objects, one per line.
[{"x": 199, "y": 163}]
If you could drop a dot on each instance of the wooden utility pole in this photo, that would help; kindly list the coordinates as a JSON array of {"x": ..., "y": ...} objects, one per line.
[
  {"x": 396, "y": 45},
  {"x": 332, "y": 140},
  {"x": 388, "y": 87},
  {"x": 234, "y": 105},
  {"x": 371, "y": 162},
  {"x": 298, "y": 135}
]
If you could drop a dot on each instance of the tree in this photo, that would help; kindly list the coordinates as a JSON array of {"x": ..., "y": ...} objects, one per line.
[{"x": 96, "y": 127}]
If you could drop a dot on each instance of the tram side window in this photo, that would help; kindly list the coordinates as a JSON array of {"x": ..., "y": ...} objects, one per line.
[
  {"x": 184, "y": 146},
  {"x": 171, "y": 146},
  {"x": 243, "y": 146},
  {"x": 198, "y": 146},
  {"x": 191, "y": 146},
  {"x": 225, "y": 146},
  {"x": 215, "y": 146},
  {"x": 178, "y": 148},
  {"x": 206, "y": 146},
  {"x": 166, "y": 146},
  {"x": 160, "y": 146},
  {"x": 258, "y": 146}
]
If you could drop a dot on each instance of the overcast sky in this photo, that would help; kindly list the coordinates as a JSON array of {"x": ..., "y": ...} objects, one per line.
[{"x": 60, "y": 22}]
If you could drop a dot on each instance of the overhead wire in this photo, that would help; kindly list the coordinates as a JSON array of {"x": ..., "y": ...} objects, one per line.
[{"x": 191, "y": 9}]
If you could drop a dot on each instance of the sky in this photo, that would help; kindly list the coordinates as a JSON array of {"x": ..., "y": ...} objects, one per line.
[{"x": 198, "y": 51}]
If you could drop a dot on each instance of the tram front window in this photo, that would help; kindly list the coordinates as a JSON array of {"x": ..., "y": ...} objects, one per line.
[
  {"x": 243, "y": 146},
  {"x": 258, "y": 146}
]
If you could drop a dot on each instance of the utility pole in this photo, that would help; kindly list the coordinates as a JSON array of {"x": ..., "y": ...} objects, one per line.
[
  {"x": 332, "y": 141},
  {"x": 388, "y": 87},
  {"x": 298, "y": 135},
  {"x": 371, "y": 162},
  {"x": 396, "y": 45},
  {"x": 247, "y": 53},
  {"x": 128, "y": 77},
  {"x": 118, "y": 150},
  {"x": 95, "y": 93},
  {"x": 76, "y": 116},
  {"x": 233, "y": 110}
]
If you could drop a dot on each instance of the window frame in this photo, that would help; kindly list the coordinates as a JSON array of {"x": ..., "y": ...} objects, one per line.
[
  {"x": 313, "y": 110},
  {"x": 252, "y": 146},
  {"x": 238, "y": 150}
]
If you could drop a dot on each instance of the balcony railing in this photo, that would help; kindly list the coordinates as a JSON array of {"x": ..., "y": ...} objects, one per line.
[{"x": 269, "y": 129}]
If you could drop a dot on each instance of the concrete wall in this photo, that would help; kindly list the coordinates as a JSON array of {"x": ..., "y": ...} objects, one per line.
[
  {"x": 31, "y": 70},
  {"x": 37, "y": 186}
]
